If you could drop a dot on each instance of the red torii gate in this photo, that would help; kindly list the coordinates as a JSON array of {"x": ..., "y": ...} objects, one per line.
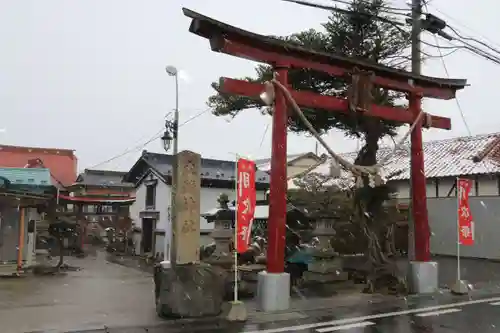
[{"x": 282, "y": 56}]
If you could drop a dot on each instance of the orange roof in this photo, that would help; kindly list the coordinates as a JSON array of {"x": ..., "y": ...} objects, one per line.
[{"x": 61, "y": 162}]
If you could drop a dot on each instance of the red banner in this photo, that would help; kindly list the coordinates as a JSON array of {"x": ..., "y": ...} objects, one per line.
[
  {"x": 465, "y": 222},
  {"x": 245, "y": 198}
]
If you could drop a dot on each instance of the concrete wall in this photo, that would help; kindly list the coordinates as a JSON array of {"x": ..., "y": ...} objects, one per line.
[
  {"x": 440, "y": 188},
  {"x": 443, "y": 223},
  {"x": 9, "y": 233}
]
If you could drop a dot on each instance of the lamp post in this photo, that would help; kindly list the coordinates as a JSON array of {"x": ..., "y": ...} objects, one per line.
[{"x": 171, "y": 136}]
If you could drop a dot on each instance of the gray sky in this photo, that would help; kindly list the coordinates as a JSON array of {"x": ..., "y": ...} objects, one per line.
[{"x": 89, "y": 75}]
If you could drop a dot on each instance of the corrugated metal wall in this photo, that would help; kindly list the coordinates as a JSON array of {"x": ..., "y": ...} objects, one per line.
[
  {"x": 443, "y": 223},
  {"x": 9, "y": 234}
]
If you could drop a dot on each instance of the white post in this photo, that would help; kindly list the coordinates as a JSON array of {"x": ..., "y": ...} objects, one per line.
[
  {"x": 458, "y": 230},
  {"x": 236, "y": 232}
]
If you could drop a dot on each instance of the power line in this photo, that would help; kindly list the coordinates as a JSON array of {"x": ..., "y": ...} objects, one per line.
[
  {"x": 156, "y": 136},
  {"x": 448, "y": 75},
  {"x": 387, "y": 9},
  {"x": 456, "y": 97},
  {"x": 473, "y": 40},
  {"x": 463, "y": 25},
  {"x": 263, "y": 136},
  {"x": 349, "y": 12},
  {"x": 130, "y": 150}
]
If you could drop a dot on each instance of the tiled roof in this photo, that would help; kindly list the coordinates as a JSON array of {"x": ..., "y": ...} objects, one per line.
[
  {"x": 61, "y": 162},
  {"x": 461, "y": 156},
  {"x": 210, "y": 168},
  {"x": 102, "y": 178},
  {"x": 22, "y": 176}
]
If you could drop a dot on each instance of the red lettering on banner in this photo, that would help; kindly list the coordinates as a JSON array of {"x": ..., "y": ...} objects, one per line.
[
  {"x": 465, "y": 222},
  {"x": 246, "y": 199}
]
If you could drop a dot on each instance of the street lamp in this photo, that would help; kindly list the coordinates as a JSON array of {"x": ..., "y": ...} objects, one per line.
[
  {"x": 171, "y": 70},
  {"x": 169, "y": 138}
]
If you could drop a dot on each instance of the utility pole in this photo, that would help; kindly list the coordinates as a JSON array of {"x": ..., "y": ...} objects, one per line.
[
  {"x": 168, "y": 254},
  {"x": 416, "y": 61},
  {"x": 416, "y": 9}
]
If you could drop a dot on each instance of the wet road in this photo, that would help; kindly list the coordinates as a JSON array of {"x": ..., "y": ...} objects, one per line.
[
  {"x": 463, "y": 316},
  {"x": 477, "y": 316},
  {"x": 482, "y": 315},
  {"x": 109, "y": 295},
  {"x": 100, "y": 294}
]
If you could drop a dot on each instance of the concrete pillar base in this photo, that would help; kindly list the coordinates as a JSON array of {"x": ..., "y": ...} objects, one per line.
[
  {"x": 273, "y": 291},
  {"x": 423, "y": 277}
]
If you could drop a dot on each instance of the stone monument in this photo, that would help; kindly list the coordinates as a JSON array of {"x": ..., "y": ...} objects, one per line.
[{"x": 187, "y": 288}]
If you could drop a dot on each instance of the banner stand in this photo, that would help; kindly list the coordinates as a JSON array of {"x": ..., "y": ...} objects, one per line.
[
  {"x": 237, "y": 311},
  {"x": 236, "y": 179},
  {"x": 460, "y": 287}
]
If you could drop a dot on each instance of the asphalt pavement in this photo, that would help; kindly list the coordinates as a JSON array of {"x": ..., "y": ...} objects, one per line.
[
  {"x": 109, "y": 298},
  {"x": 450, "y": 314}
]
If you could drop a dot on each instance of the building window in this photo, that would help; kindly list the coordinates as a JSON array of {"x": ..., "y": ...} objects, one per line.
[
  {"x": 150, "y": 196},
  {"x": 106, "y": 209}
]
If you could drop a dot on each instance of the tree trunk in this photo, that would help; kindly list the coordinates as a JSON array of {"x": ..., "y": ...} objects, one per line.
[{"x": 381, "y": 270}]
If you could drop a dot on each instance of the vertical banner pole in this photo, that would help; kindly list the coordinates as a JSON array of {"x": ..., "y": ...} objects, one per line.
[
  {"x": 459, "y": 190},
  {"x": 236, "y": 232}
]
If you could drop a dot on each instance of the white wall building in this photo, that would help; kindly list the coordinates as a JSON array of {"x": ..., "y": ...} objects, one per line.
[
  {"x": 151, "y": 209},
  {"x": 476, "y": 158}
]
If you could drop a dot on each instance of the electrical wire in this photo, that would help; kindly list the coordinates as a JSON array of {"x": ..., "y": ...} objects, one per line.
[
  {"x": 441, "y": 55},
  {"x": 469, "y": 132},
  {"x": 474, "y": 50},
  {"x": 387, "y": 9},
  {"x": 473, "y": 40},
  {"x": 263, "y": 136},
  {"x": 463, "y": 25},
  {"x": 456, "y": 97},
  {"x": 156, "y": 136},
  {"x": 349, "y": 12}
]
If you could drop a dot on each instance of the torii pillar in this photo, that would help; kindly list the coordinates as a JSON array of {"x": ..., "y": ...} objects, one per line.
[{"x": 273, "y": 290}]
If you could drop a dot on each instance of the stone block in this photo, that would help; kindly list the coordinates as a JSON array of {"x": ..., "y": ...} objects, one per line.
[
  {"x": 325, "y": 253},
  {"x": 460, "y": 287},
  {"x": 325, "y": 278},
  {"x": 237, "y": 312},
  {"x": 326, "y": 266},
  {"x": 190, "y": 291},
  {"x": 423, "y": 277},
  {"x": 273, "y": 291}
]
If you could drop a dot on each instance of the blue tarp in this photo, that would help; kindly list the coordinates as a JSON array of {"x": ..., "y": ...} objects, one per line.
[{"x": 302, "y": 256}]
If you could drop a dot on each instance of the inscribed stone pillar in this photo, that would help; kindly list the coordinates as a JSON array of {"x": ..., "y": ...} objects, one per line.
[{"x": 186, "y": 222}]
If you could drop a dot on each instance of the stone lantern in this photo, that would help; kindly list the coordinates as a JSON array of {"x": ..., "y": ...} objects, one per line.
[
  {"x": 327, "y": 266},
  {"x": 223, "y": 218}
]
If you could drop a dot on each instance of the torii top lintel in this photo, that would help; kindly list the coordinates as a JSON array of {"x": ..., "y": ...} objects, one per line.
[{"x": 228, "y": 39}]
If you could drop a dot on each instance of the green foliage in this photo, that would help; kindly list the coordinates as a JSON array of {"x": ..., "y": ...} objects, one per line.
[{"x": 356, "y": 35}]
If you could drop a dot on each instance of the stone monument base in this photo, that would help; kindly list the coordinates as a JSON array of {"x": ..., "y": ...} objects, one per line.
[
  {"x": 423, "y": 277},
  {"x": 273, "y": 291},
  {"x": 189, "y": 291}
]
